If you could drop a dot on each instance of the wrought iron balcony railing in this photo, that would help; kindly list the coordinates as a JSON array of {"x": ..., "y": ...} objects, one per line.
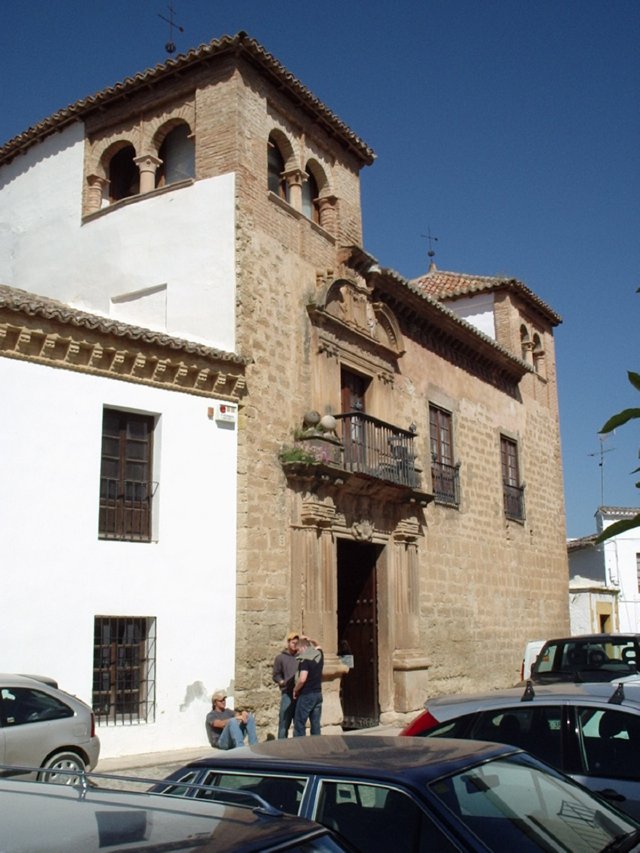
[
  {"x": 125, "y": 509},
  {"x": 513, "y": 501},
  {"x": 378, "y": 449},
  {"x": 445, "y": 483}
]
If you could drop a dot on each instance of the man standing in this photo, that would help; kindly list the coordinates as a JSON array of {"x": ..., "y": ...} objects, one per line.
[
  {"x": 227, "y": 729},
  {"x": 307, "y": 693},
  {"x": 285, "y": 667}
]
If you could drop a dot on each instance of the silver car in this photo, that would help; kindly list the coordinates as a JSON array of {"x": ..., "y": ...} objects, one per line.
[
  {"x": 92, "y": 818},
  {"x": 42, "y": 726},
  {"x": 589, "y": 731}
]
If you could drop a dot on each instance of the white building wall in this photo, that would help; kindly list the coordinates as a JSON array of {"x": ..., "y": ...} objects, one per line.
[
  {"x": 620, "y": 554},
  {"x": 477, "y": 310},
  {"x": 57, "y": 574},
  {"x": 177, "y": 244}
]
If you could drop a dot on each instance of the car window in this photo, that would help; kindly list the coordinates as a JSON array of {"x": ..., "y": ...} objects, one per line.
[
  {"x": 458, "y": 728},
  {"x": 536, "y": 728},
  {"x": 181, "y": 789},
  {"x": 282, "y": 792},
  {"x": 609, "y": 742},
  {"x": 22, "y": 705},
  {"x": 593, "y": 659},
  {"x": 513, "y": 803},
  {"x": 373, "y": 817}
]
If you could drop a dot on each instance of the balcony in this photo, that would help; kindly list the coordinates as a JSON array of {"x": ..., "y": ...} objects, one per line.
[{"x": 375, "y": 448}]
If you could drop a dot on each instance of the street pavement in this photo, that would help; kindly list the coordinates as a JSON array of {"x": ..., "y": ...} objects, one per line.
[{"x": 158, "y": 765}]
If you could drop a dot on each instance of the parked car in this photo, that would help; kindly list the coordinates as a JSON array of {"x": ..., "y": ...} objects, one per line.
[
  {"x": 531, "y": 651},
  {"x": 589, "y": 731},
  {"x": 91, "y": 819},
  {"x": 408, "y": 794},
  {"x": 588, "y": 657},
  {"x": 42, "y": 726}
]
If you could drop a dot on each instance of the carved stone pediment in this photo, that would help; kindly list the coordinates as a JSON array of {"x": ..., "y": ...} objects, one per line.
[{"x": 347, "y": 304}]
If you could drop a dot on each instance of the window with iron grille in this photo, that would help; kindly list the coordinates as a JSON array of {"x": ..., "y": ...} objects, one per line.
[
  {"x": 444, "y": 473},
  {"x": 512, "y": 490},
  {"x": 124, "y": 667},
  {"x": 126, "y": 488}
]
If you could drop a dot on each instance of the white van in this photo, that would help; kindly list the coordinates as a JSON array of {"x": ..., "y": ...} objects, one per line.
[{"x": 531, "y": 652}]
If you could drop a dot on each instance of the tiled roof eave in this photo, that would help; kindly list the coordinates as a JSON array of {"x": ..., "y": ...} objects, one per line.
[
  {"x": 23, "y": 302},
  {"x": 239, "y": 44},
  {"x": 470, "y": 285},
  {"x": 459, "y": 329}
]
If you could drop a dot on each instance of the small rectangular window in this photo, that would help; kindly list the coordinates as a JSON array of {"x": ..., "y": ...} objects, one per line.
[
  {"x": 124, "y": 666},
  {"x": 126, "y": 487},
  {"x": 512, "y": 490},
  {"x": 444, "y": 474}
]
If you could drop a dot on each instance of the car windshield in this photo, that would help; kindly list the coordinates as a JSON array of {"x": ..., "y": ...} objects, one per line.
[
  {"x": 511, "y": 802},
  {"x": 603, "y": 659}
]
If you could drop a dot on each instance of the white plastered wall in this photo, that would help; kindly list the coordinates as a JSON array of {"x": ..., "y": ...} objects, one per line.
[
  {"x": 477, "y": 310},
  {"x": 621, "y": 562},
  {"x": 57, "y": 575},
  {"x": 174, "y": 251}
]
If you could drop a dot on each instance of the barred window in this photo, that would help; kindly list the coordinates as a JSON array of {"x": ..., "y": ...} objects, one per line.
[
  {"x": 124, "y": 667},
  {"x": 512, "y": 490},
  {"x": 444, "y": 473},
  {"x": 126, "y": 488}
]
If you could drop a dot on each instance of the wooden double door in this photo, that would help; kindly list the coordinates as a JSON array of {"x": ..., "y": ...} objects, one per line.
[{"x": 358, "y": 632}]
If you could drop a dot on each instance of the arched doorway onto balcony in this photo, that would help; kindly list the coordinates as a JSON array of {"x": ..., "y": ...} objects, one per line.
[{"x": 358, "y": 631}]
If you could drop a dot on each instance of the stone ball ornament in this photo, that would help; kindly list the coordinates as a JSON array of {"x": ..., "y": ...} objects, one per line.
[
  {"x": 311, "y": 419},
  {"x": 328, "y": 423}
]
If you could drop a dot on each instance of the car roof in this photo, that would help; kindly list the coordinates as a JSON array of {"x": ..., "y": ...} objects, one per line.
[
  {"x": 601, "y": 638},
  {"x": 598, "y": 693},
  {"x": 13, "y": 679},
  {"x": 377, "y": 757},
  {"x": 71, "y": 818}
]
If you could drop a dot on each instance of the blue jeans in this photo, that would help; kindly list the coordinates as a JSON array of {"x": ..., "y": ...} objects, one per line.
[
  {"x": 233, "y": 734},
  {"x": 287, "y": 709},
  {"x": 308, "y": 707}
]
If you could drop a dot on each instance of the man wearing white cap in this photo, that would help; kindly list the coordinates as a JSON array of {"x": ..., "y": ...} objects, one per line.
[{"x": 227, "y": 729}]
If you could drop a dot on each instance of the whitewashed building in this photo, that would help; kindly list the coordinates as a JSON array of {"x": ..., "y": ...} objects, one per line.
[
  {"x": 604, "y": 579},
  {"x": 119, "y": 388}
]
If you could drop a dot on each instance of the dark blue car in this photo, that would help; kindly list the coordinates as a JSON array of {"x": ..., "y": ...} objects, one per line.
[{"x": 410, "y": 794}]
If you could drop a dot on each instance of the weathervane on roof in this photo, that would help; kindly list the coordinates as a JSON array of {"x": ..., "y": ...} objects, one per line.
[
  {"x": 600, "y": 453},
  {"x": 431, "y": 253},
  {"x": 170, "y": 46}
]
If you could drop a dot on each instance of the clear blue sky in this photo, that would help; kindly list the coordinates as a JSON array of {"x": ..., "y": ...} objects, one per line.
[{"x": 510, "y": 128}]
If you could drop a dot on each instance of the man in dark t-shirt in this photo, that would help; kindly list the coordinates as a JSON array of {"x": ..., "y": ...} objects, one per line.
[
  {"x": 307, "y": 692},
  {"x": 227, "y": 729}
]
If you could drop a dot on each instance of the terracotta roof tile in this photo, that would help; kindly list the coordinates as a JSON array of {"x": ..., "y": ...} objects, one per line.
[
  {"x": 443, "y": 286},
  {"x": 240, "y": 44},
  {"x": 23, "y": 302}
]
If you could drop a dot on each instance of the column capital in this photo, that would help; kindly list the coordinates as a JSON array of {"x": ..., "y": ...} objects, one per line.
[
  {"x": 294, "y": 177},
  {"x": 147, "y": 162}
]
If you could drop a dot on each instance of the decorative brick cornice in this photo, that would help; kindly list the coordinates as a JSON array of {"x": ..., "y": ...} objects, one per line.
[{"x": 44, "y": 331}]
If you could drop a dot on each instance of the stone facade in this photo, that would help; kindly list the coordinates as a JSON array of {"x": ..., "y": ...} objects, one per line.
[{"x": 449, "y": 591}]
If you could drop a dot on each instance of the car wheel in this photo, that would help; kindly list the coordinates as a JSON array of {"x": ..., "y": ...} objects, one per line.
[{"x": 69, "y": 762}]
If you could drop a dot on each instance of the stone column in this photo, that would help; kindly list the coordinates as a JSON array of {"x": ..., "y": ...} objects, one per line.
[
  {"x": 294, "y": 179},
  {"x": 147, "y": 165},
  {"x": 328, "y": 213},
  {"x": 314, "y": 551},
  {"x": 95, "y": 193},
  {"x": 527, "y": 351}
]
